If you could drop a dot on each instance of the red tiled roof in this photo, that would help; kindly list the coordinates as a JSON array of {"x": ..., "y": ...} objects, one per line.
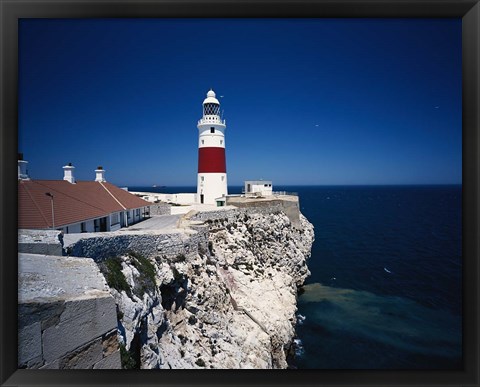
[{"x": 73, "y": 203}]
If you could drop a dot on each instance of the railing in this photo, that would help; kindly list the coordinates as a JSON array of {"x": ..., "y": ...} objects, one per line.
[
  {"x": 212, "y": 120},
  {"x": 283, "y": 193},
  {"x": 274, "y": 193}
]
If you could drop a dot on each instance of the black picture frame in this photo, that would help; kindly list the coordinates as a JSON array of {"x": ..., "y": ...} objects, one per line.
[{"x": 12, "y": 10}]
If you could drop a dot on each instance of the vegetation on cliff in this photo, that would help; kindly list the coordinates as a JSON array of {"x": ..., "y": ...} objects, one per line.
[
  {"x": 112, "y": 267},
  {"x": 226, "y": 301}
]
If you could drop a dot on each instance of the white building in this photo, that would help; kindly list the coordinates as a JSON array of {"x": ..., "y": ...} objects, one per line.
[
  {"x": 212, "y": 172},
  {"x": 258, "y": 188},
  {"x": 76, "y": 206}
]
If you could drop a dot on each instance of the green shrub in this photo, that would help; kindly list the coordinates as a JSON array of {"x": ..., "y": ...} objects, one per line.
[
  {"x": 146, "y": 281},
  {"x": 119, "y": 314},
  {"x": 128, "y": 362},
  {"x": 111, "y": 268},
  {"x": 144, "y": 266}
]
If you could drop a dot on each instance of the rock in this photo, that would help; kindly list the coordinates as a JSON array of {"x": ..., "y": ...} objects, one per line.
[
  {"x": 65, "y": 311},
  {"x": 226, "y": 300}
]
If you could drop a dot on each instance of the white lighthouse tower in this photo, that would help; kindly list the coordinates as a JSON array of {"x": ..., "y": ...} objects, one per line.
[{"x": 212, "y": 172}]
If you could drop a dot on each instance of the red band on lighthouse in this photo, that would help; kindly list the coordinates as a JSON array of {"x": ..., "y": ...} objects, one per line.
[{"x": 211, "y": 160}]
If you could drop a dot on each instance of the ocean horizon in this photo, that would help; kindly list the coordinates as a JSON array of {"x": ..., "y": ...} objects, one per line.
[
  {"x": 277, "y": 187},
  {"x": 385, "y": 290}
]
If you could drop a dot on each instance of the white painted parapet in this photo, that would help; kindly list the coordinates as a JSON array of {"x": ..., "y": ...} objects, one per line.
[{"x": 175, "y": 198}]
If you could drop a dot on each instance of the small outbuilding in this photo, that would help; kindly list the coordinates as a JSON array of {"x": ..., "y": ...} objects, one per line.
[{"x": 258, "y": 188}]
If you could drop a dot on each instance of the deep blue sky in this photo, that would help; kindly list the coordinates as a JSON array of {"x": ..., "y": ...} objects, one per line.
[{"x": 307, "y": 101}]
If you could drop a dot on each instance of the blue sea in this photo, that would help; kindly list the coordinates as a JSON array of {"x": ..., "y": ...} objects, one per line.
[{"x": 386, "y": 285}]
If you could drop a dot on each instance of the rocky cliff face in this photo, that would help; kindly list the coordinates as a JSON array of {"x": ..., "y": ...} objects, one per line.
[{"x": 231, "y": 304}]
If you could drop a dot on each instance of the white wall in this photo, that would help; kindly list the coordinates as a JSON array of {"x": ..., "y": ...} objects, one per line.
[
  {"x": 211, "y": 140},
  {"x": 205, "y": 123},
  {"x": 115, "y": 227},
  {"x": 150, "y": 198},
  {"x": 174, "y": 210},
  {"x": 178, "y": 198},
  {"x": 131, "y": 217},
  {"x": 259, "y": 186},
  {"x": 77, "y": 227},
  {"x": 115, "y": 221},
  {"x": 73, "y": 228},
  {"x": 90, "y": 224},
  {"x": 137, "y": 215},
  {"x": 213, "y": 185},
  {"x": 208, "y": 139}
]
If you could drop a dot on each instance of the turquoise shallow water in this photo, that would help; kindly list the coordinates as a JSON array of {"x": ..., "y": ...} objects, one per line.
[
  {"x": 385, "y": 290},
  {"x": 386, "y": 284},
  {"x": 353, "y": 329}
]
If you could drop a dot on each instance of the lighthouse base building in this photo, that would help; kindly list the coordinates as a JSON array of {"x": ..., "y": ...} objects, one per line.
[{"x": 216, "y": 192}]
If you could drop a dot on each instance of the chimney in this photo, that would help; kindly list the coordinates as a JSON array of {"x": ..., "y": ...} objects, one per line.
[
  {"x": 100, "y": 174},
  {"x": 22, "y": 168},
  {"x": 68, "y": 173}
]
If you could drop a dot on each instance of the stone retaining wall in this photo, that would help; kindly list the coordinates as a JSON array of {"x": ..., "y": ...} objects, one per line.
[
  {"x": 271, "y": 207},
  {"x": 100, "y": 247},
  {"x": 160, "y": 209}
]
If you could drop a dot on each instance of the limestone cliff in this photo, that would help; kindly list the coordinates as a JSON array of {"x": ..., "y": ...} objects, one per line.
[{"x": 228, "y": 303}]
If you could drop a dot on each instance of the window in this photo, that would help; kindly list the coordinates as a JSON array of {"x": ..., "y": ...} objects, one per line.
[
  {"x": 265, "y": 185},
  {"x": 221, "y": 142},
  {"x": 202, "y": 178},
  {"x": 115, "y": 219},
  {"x": 203, "y": 142},
  {"x": 212, "y": 130},
  {"x": 84, "y": 227},
  {"x": 211, "y": 109},
  {"x": 223, "y": 178}
]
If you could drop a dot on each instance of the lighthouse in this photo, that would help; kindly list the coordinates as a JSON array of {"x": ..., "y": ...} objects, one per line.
[{"x": 212, "y": 172}]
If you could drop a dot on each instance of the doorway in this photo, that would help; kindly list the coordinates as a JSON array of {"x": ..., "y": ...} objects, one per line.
[{"x": 103, "y": 224}]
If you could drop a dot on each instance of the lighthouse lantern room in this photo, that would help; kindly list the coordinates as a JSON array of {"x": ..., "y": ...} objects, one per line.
[{"x": 212, "y": 172}]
